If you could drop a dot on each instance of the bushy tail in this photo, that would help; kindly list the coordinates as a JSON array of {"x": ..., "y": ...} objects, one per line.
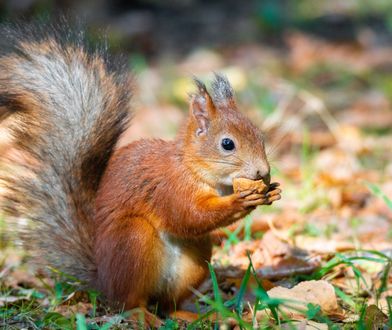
[{"x": 66, "y": 110}]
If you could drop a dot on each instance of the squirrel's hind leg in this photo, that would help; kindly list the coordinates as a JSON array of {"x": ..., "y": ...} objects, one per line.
[{"x": 129, "y": 261}]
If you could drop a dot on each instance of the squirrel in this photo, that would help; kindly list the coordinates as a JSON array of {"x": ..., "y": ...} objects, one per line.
[{"x": 134, "y": 222}]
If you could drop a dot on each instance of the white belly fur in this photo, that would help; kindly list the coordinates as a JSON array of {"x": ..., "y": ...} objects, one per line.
[{"x": 173, "y": 254}]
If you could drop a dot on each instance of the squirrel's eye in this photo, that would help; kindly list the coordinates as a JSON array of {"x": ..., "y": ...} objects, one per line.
[{"x": 227, "y": 144}]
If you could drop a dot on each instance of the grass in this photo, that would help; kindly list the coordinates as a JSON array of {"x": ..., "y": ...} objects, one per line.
[
  {"x": 234, "y": 307},
  {"x": 30, "y": 312}
]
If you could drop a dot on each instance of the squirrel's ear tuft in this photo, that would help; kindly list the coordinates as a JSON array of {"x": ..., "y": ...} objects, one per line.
[
  {"x": 222, "y": 91},
  {"x": 202, "y": 108}
]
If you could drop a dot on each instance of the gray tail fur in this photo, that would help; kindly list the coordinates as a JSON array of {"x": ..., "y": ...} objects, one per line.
[{"x": 66, "y": 109}]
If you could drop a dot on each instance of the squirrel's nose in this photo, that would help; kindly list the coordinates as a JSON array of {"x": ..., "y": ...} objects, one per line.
[{"x": 266, "y": 177}]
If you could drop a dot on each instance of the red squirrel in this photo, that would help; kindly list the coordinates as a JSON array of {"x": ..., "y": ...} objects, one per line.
[{"x": 135, "y": 222}]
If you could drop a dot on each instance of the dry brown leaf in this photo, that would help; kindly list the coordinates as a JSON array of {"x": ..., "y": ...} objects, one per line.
[
  {"x": 350, "y": 138},
  {"x": 375, "y": 318},
  {"x": 323, "y": 245},
  {"x": 274, "y": 246},
  {"x": 9, "y": 300},
  {"x": 319, "y": 293},
  {"x": 337, "y": 167},
  {"x": 305, "y": 325},
  {"x": 80, "y": 307},
  {"x": 290, "y": 266}
]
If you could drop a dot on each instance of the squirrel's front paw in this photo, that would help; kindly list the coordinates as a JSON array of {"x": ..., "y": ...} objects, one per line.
[
  {"x": 273, "y": 193},
  {"x": 250, "y": 199}
]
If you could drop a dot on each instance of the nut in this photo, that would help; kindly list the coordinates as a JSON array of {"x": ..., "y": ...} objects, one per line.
[{"x": 242, "y": 184}]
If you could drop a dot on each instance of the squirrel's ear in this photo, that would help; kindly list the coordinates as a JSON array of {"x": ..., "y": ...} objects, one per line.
[
  {"x": 222, "y": 91},
  {"x": 202, "y": 108}
]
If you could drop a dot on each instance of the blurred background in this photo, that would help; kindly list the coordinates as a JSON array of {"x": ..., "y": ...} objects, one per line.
[{"x": 315, "y": 75}]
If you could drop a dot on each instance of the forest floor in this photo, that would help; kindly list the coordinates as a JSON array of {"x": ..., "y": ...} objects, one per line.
[{"x": 319, "y": 258}]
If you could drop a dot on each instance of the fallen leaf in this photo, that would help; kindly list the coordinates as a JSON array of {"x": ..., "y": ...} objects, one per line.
[
  {"x": 288, "y": 267},
  {"x": 11, "y": 300},
  {"x": 374, "y": 318},
  {"x": 68, "y": 310},
  {"x": 305, "y": 325},
  {"x": 323, "y": 245},
  {"x": 319, "y": 293}
]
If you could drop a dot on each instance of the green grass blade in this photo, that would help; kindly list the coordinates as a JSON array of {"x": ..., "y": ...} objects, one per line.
[
  {"x": 346, "y": 298},
  {"x": 248, "y": 228},
  {"x": 376, "y": 190},
  {"x": 223, "y": 310},
  {"x": 215, "y": 286},
  {"x": 241, "y": 292},
  {"x": 263, "y": 293},
  {"x": 80, "y": 322}
]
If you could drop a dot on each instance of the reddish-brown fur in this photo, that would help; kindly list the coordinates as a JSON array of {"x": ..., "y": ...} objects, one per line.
[
  {"x": 134, "y": 223},
  {"x": 153, "y": 188}
]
